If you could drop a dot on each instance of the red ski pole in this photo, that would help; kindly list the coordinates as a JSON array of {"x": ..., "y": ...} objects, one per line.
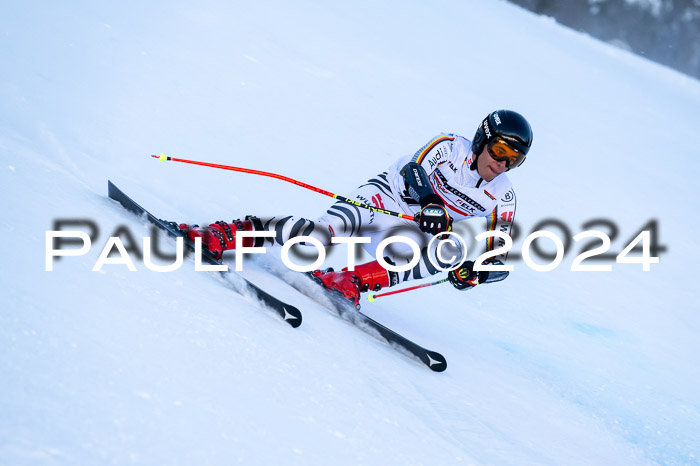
[
  {"x": 162, "y": 157},
  {"x": 371, "y": 297}
]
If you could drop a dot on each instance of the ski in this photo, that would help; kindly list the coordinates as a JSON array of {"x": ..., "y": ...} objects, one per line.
[
  {"x": 290, "y": 314},
  {"x": 346, "y": 310},
  {"x": 287, "y": 312}
]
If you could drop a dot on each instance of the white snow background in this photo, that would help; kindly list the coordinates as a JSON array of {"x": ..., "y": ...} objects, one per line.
[{"x": 141, "y": 367}]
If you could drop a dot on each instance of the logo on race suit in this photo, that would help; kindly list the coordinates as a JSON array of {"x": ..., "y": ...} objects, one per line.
[
  {"x": 470, "y": 210},
  {"x": 509, "y": 196},
  {"x": 507, "y": 216},
  {"x": 446, "y": 187},
  {"x": 452, "y": 167},
  {"x": 433, "y": 161},
  {"x": 505, "y": 228},
  {"x": 497, "y": 118},
  {"x": 377, "y": 200},
  {"x": 437, "y": 182},
  {"x": 364, "y": 201},
  {"x": 489, "y": 195}
]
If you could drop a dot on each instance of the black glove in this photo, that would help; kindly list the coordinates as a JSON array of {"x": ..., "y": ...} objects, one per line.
[
  {"x": 464, "y": 277},
  {"x": 434, "y": 219}
]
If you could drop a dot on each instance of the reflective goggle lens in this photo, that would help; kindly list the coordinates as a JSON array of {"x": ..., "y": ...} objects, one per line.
[{"x": 501, "y": 151}]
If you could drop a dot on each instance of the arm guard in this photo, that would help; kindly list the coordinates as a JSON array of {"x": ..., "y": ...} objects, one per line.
[
  {"x": 418, "y": 184},
  {"x": 491, "y": 276}
]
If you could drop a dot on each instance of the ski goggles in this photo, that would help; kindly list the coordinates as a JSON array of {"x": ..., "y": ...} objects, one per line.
[{"x": 500, "y": 150}]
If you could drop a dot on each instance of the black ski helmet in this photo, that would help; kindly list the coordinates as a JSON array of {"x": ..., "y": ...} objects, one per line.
[{"x": 511, "y": 126}]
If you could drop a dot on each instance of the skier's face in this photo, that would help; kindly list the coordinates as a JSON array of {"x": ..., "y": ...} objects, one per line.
[{"x": 489, "y": 168}]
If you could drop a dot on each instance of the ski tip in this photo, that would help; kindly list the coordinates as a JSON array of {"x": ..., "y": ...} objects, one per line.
[
  {"x": 296, "y": 323},
  {"x": 292, "y": 315},
  {"x": 436, "y": 362}
]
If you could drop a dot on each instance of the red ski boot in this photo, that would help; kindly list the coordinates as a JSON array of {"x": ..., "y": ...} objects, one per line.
[
  {"x": 365, "y": 277},
  {"x": 221, "y": 236}
]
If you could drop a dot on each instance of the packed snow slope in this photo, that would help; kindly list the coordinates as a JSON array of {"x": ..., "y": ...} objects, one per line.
[{"x": 142, "y": 367}]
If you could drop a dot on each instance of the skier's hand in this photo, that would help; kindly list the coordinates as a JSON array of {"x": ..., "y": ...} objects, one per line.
[
  {"x": 465, "y": 277},
  {"x": 434, "y": 219}
]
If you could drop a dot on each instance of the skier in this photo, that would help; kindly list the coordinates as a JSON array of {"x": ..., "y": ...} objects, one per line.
[{"x": 449, "y": 179}]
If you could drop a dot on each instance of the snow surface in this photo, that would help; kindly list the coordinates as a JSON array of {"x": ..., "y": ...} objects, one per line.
[{"x": 172, "y": 368}]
